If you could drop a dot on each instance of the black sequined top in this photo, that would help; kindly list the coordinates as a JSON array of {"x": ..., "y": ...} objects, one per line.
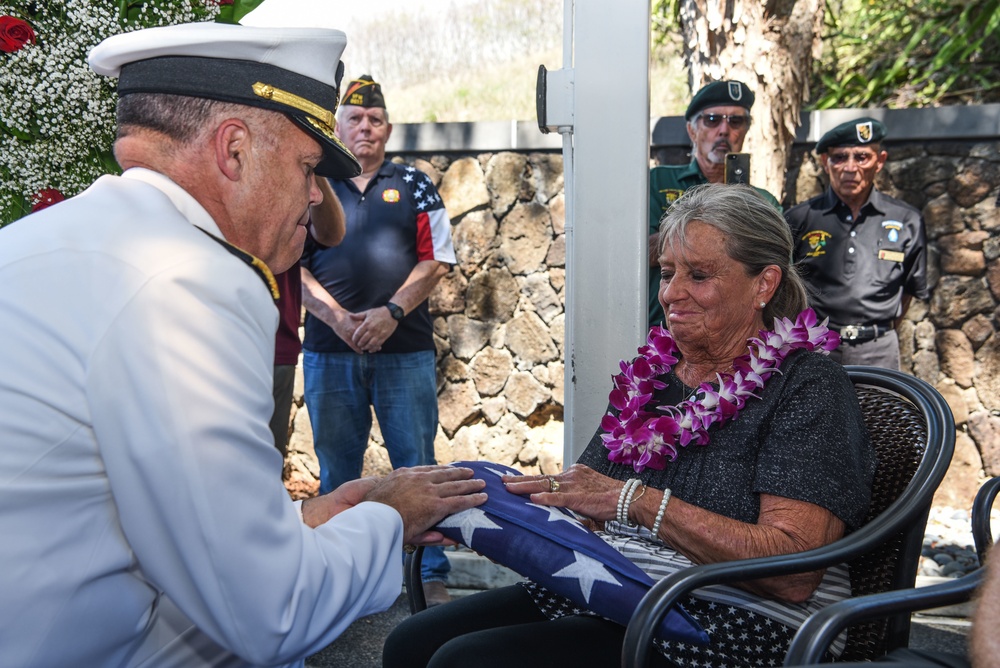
[{"x": 803, "y": 439}]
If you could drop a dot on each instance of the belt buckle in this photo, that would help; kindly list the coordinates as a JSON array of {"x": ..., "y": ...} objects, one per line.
[{"x": 850, "y": 332}]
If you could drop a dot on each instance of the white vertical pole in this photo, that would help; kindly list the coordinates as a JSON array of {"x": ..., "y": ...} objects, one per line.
[{"x": 606, "y": 167}]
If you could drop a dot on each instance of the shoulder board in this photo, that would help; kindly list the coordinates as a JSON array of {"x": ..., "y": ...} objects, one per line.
[{"x": 254, "y": 262}]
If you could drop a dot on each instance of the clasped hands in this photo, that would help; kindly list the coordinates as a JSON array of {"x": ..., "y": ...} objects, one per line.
[{"x": 365, "y": 332}]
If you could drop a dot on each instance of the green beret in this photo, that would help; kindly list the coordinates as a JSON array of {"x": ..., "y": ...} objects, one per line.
[
  {"x": 720, "y": 94},
  {"x": 852, "y": 133},
  {"x": 363, "y": 92}
]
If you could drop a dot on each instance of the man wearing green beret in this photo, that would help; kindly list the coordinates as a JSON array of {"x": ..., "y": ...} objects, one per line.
[
  {"x": 718, "y": 119},
  {"x": 862, "y": 252}
]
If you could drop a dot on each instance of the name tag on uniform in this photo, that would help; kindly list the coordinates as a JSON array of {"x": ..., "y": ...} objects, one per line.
[{"x": 891, "y": 256}]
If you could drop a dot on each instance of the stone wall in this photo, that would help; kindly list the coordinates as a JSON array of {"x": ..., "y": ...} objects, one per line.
[
  {"x": 499, "y": 313},
  {"x": 498, "y": 320}
]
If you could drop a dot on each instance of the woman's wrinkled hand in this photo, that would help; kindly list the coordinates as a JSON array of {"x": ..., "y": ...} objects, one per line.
[{"x": 579, "y": 488}]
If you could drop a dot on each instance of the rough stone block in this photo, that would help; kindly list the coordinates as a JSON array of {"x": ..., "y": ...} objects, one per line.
[{"x": 463, "y": 188}]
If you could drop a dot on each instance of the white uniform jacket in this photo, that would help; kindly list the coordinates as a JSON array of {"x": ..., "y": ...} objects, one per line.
[{"x": 142, "y": 517}]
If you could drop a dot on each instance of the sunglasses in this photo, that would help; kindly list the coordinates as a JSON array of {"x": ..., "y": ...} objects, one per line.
[
  {"x": 861, "y": 158},
  {"x": 737, "y": 122}
]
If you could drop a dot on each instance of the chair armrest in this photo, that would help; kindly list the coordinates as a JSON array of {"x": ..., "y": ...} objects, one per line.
[
  {"x": 668, "y": 591},
  {"x": 816, "y": 634},
  {"x": 982, "y": 533},
  {"x": 414, "y": 583}
]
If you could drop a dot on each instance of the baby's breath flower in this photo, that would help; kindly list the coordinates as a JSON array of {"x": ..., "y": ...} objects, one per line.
[{"x": 56, "y": 115}]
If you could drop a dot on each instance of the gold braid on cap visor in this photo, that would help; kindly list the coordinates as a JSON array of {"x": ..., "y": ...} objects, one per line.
[{"x": 319, "y": 118}]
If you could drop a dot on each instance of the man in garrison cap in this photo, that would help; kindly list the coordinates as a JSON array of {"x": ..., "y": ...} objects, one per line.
[
  {"x": 141, "y": 508},
  {"x": 369, "y": 337},
  {"x": 718, "y": 119},
  {"x": 862, "y": 252}
]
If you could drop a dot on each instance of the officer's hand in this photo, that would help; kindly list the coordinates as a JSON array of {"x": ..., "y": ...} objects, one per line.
[
  {"x": 425, "y": 495},
  {"x": 320, "y": 509}
]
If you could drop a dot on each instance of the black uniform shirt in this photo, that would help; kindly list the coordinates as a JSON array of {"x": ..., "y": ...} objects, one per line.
[{"x": 859, "y": 269}]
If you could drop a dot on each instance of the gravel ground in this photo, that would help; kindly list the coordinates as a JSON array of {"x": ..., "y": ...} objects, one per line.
[{"x": 949, "y": 550}]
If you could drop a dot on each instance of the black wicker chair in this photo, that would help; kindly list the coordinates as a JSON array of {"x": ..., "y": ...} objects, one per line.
[
  {"x": 913, "y": 431},
  {"x": 818, "y": 632},
  {"x": 414, "y": 584}
]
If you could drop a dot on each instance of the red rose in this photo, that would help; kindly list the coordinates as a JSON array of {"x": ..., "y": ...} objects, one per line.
[
  {"x": 14, "y": 33},
  {"x": 45, "y": 198}
]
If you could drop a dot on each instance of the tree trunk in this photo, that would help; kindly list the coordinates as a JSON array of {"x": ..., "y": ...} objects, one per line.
[{"x": 770, "y": 47}]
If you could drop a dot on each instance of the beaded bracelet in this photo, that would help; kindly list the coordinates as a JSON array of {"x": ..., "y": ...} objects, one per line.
[
  {"x": 624, "y": 499},
  {"x": 659, "y": 514},
  {"x": 628, "y": 503}
]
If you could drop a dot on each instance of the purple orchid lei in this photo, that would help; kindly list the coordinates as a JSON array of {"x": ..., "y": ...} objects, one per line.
[{"x": 643, "y": 438}]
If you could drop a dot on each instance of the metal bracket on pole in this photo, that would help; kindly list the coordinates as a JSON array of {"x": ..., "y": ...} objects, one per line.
[{"x": 554, "y": 100}]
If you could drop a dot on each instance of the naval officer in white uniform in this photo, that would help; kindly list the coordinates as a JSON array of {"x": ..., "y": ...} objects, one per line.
[{"x": 141, "y": 516}]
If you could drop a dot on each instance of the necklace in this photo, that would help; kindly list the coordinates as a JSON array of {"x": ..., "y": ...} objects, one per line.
[{"x": 646, "y": 439}]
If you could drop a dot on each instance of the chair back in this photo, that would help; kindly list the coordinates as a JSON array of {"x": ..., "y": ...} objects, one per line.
[{"x": 898, "y": 428}]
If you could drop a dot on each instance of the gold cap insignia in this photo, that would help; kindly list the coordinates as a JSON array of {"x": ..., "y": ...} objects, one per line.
[{"x": 864, "y": 132}]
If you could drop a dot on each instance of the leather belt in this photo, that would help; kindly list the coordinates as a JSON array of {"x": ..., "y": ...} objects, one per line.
[{"x": 855, "y": 334}]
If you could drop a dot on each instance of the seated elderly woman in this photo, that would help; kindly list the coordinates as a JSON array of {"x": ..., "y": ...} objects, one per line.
[{"x": 788, "y": 471}]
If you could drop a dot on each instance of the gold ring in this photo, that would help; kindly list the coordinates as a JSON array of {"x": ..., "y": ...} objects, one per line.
[
  {"x": 553, "y": 484},
  {"x": 409, "y": 549}
]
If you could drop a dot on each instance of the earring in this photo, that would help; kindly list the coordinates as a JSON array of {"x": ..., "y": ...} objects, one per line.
[{"x": 763, "y": 304}]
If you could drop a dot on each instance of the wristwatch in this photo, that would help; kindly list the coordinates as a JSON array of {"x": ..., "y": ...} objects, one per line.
[{"x": 395, "y": 311}]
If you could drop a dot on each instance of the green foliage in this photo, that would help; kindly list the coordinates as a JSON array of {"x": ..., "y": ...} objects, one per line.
[
  {"x": 232, "y": 13},
  {"x": 665, "y": 20},
  {"x": 910, "y": 53}
]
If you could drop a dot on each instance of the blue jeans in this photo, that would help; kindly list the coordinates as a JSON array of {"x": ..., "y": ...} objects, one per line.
[{"x": 341, "y": 389}]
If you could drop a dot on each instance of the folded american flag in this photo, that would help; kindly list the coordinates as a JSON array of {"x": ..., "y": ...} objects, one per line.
[{"x": 551, "y": 547}]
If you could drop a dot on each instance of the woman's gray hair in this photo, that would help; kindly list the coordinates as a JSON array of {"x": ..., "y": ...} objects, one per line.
[{"x": 756, "y": 236}]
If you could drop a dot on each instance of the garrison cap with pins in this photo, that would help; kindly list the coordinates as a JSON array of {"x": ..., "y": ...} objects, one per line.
[
  {"x": 858, "y": 132},
  {"x": 292, "y": 70},
  {"x": 363, "y": 92},
  {"x": 720, "y": 94}
]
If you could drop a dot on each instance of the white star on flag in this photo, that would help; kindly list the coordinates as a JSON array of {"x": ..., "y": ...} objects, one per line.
[
  {"x": 587, "y": 571},
  {"x": 467, "y": 522},
  {"x": 534, "y": 540},
  {"x": 557, "y": 515}
]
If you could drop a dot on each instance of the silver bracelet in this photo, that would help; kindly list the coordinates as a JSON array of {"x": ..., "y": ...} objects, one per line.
[
  {"x": 631, "y": 500},
  {"x": 659, "y": 514},
  {"x": 624, "y": 499}
]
